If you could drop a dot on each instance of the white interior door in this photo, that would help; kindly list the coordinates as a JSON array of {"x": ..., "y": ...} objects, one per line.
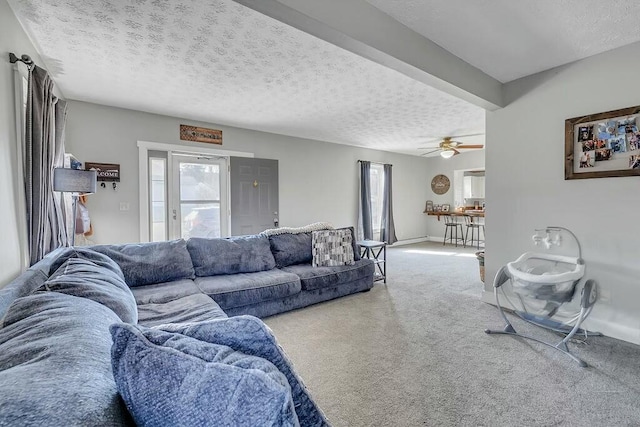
[{"x": 199, "y": 197}]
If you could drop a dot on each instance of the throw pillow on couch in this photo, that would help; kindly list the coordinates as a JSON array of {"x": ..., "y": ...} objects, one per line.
[
  {"x": 331, "y": 248},
  {"x": 170, "y": 379},
  {"x": 252, "y": 336}
]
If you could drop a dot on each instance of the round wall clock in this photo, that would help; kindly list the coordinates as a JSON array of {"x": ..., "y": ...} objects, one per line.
[{"x": 440, "y": 184}]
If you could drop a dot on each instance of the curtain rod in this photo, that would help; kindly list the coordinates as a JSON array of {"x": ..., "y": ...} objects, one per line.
[
  {"x": 376, "y": 163},
  {"x": 26, "y": 59}
]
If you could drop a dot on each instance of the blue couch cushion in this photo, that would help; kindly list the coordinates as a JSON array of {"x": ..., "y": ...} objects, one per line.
[
  {"x": 37, "y": 274},
  {"x": 249, "y": 288},
  {"x": 192, "y": 308},
  {"x": 159, "y": 293},
  {"x": 251, "y": 336},
  {"x": 246, "y": 254},
  {"x": 326, "y": 277},
  {"x": 100, "y": 280},
  {"x": 147, "y": 263},
  {"x": 55, "y": 364},
  {"x": 289, "y": 249},
  {"x": 169, "y": 379}
]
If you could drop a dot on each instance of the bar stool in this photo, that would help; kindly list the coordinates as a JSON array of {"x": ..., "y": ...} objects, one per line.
[
  {"x": 475, "y": 225},
  {"x": 452, "y": 225}
]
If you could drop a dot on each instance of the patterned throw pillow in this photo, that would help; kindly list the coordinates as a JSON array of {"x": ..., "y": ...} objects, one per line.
[{"x": 332, "y": 248}]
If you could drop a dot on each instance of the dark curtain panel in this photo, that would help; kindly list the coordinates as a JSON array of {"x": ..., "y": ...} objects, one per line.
[
  {"x": 388, "y": 228},
  {"x": 43, "y": 152},
  {"x": 365, "y": 224}
]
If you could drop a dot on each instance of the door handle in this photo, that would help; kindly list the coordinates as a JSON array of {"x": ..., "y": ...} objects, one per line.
[
  {"x": 175, "y": 214},
  {"x": 275, "y": 222}
]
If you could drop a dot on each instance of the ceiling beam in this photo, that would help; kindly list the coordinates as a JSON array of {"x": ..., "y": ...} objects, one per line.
[{"x": 360, "y": 28}]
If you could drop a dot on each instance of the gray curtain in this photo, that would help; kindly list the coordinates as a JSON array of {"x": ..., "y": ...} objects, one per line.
[
  {"x": 44, "y": 150},
  {"x": 365, "y": 223},
  {"x": 388, "y": 228}
]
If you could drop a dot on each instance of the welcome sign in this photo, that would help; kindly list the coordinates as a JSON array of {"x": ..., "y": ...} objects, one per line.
[{"x": 106, "y": 171}]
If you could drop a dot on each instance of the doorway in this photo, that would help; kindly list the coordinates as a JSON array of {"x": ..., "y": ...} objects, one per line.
[
  {"x": 189, "y": 192},
  {"x": 199, "y": 197},
  {"x": 254, "y": 195}
]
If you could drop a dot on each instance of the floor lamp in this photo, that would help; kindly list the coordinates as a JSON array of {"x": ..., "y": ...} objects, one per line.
[{"x": 76, "y": 182}]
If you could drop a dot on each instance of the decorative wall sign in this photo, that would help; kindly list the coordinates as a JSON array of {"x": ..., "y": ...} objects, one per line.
[
  {"x": 197, "y": 134},
  {"x": 440, "y": 184},
  {"x": 106, "y": 171},
  {"x": 603, "y": 145}
]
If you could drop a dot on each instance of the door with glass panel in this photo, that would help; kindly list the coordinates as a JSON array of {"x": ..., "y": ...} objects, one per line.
[{"x": 199, "y": 197}]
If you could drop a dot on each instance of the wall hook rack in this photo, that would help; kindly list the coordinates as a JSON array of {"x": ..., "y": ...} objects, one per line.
[{"x": 113, "y": 184}]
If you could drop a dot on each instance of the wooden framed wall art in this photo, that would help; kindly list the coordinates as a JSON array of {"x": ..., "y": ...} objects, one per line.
[
  {"x": 603, "y": 145},
  {"x": 440, "y": 184},
  {"x": 198, "y": 134}
]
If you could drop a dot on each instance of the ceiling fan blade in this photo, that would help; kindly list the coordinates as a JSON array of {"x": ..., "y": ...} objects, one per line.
[
  {"x": 470, "y": 146},
  {"x": 467, "y": 136},
  {"x": 430, "y": 152},
  {"x": 456, "y": 152},
  {"x": 451, "y": 136}
]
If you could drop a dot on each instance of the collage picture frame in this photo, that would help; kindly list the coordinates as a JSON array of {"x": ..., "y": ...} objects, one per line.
[{"x": 603, "y": 145}]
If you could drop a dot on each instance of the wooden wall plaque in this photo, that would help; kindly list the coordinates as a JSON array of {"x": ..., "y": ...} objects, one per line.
[
  {"x": 198, "y": 134},
  {"x": 440, "y": 184}
]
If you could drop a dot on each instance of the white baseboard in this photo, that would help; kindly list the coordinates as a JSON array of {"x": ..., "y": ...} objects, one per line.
[
  {"x": 411, "y": 241},
  {"x": 418, "y": 240}
]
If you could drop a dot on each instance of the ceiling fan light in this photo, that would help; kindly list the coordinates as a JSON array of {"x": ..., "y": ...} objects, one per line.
[{"x": 447, "y": 154}]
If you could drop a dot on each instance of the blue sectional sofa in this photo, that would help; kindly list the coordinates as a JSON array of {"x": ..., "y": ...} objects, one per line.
[{"x": 163, "y": 333}]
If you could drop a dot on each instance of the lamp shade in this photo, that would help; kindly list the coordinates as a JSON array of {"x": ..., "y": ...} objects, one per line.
[
  {"x": 74, "y": 180},
  {"x": 447, "y": 154}
]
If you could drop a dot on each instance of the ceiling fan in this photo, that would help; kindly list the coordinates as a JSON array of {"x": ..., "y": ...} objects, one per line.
[{"x": 449, "y": 148}]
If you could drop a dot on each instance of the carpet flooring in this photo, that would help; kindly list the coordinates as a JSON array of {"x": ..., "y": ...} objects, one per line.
[{"x": 413, "y": 353}]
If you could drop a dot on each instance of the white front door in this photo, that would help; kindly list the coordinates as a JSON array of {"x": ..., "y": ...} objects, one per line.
[{"x": 199, "y": 197}]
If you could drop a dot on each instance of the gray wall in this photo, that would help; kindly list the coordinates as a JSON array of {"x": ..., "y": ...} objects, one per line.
[
  {"x": 525, "y": 184},
  {"x": 318, "y": 180},
  {"x": 437, "y": 165}
]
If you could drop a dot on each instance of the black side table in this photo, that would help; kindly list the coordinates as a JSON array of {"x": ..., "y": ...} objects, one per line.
[{"x": 377, "y": 251}]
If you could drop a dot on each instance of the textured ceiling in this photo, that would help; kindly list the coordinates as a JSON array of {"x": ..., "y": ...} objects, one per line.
[
  {"x": 220, "y": 62},
  {"x": 509, "y": 39}
]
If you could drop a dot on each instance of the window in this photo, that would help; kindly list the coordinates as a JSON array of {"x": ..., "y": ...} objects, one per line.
[
  {"x": 158, "y": 198},
  {"x": 377, "y": 193},
  {"x": 21, "y": 85}
]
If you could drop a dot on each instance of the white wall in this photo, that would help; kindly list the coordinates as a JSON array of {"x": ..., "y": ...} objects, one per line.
[
  {"x": 526, "y": 187},
  {"x": 437, "y": 165},
  {"x": 318, "y": 180},
  {"x": 12, "y": 39}
]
